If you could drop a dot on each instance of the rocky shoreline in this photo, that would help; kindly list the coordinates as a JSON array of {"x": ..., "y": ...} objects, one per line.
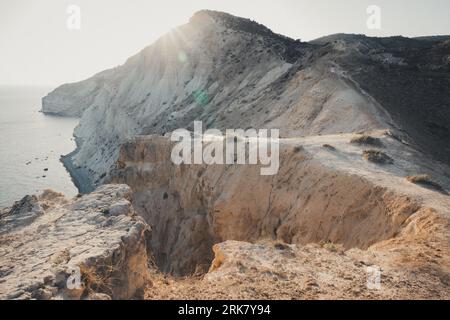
[{"x": 80, "y": 176}]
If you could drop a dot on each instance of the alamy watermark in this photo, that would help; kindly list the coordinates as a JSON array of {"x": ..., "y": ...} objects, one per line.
[
  {"x": 74, "y": 279},
  {"x": 73, "y": 21},
  {"x": 374, "y": 19},
  {"x": 237, "y": 146},
  {"x": 373, "y": 278}
]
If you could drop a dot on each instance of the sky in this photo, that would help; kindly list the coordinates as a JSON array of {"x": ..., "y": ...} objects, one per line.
[{"x": 38, "y": 48}]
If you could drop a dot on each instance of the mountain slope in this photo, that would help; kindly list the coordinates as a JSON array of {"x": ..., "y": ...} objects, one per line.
[
  {"x": 228, "y": 72},
  {"x": 231, "y": 72},
  {"x": 409, "y": 78}
]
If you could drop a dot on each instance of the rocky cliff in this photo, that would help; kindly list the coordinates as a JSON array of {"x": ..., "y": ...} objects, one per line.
[
  {"x": 231, "y": 72},
  {"x": 324, "y": 193},
  {"x": 44, "y": 237},
  {"x": 99, "y": 237},
  {"x": 364, "y": 172},
  {"x": 228, "y": 72}
]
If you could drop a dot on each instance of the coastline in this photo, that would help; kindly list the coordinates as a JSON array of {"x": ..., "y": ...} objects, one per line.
[{"x": 80, "y": 176}]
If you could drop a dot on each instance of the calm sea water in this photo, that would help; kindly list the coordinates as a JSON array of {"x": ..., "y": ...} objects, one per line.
[{"x": 31, "y": 142}]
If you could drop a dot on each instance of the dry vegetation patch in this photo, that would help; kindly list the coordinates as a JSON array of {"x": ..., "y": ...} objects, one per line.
[
  {"x": 298, "y": 149},
  {"x": 329, "y": 147},
  {"x": 333, "y": 247},
  {"x": 367, "y": 140},
  {"x": 425, "y": 180},
  {"x": 377, "y": 156}
]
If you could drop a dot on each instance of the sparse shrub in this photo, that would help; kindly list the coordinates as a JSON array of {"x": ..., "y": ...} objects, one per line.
[
  {"x": 281, "y": 246},
  {"x": 424, "y": 180},
  {"x": 329, "y": 147},
  {"x": 377, "y": 156},
  {"x": 332, "y": 247},
  {"x": 419, "y": 179},
  {"x": 367, "y": 140},
  {"x": 121, "y": 164},
  {"x": 298, "y": 149}
]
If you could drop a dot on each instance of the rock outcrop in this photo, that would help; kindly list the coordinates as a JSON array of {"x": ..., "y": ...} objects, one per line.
[{"x": 97, "y": 237}]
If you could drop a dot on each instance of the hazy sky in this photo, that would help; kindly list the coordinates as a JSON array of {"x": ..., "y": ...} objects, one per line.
[{"x": 37, "y": 48}]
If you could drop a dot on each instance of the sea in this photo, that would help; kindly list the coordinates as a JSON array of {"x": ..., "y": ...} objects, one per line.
[{"x": 31, "y": 145}]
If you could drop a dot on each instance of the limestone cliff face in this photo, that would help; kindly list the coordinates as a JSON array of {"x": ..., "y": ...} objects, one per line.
[{"x": 44, "y": 238}]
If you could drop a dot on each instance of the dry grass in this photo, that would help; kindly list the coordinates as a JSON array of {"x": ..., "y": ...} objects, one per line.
[
  {"x": 377, "y": 156},
  {"x": 95, "y": 281},
  {"x": 102, "y": 278},
  {"x": 367, "y": 140}
]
